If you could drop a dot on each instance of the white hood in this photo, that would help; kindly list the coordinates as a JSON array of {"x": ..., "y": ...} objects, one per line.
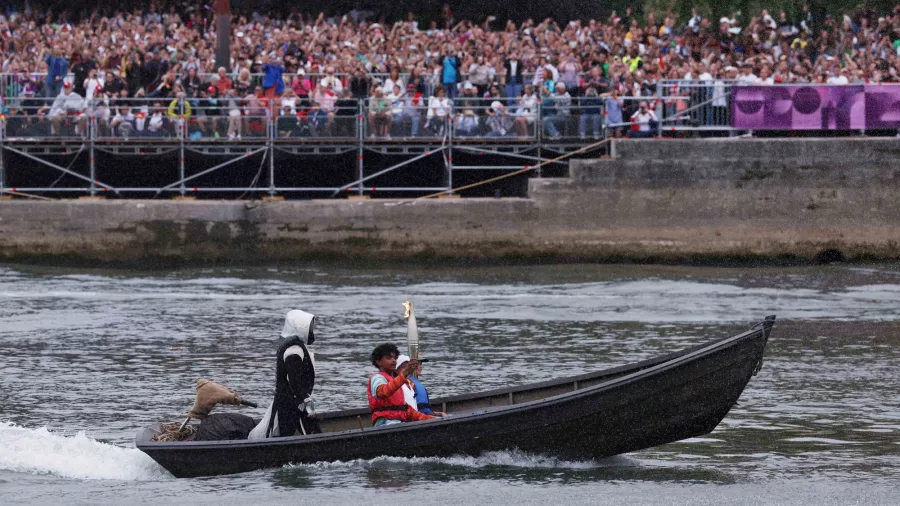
[{"x": 298, "y": 323}]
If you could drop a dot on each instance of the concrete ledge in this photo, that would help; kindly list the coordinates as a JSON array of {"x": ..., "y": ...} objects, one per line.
[{"x": 710, "y": 201}]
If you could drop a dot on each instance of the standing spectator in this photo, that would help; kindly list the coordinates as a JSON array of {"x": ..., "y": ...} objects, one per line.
[
  {"x": 244, "y": 83},
  {"x": 747, "y": 76},
  {"x": 153, "y": 70},
  {"x": 360, "y": 84},
  {"x": 332, "y": 82},
  {"x": 396, "y": 97},
  {"x": 569, "y": 73},
  {"x": 112, "y": 84},
  {"x": 57, "y": 69},
  {"x": 596, "y": 80},
  {"x": 324, "y": 101},
  {"x": 191, "y": 83},
  {"x": 113, "y": 61},
  {"x": 438, "y": 112},
  {"x": 222, "y": 82},
  {"x": 450, "y": 75},
  {"x": 642, "y": 121},
  {"x": 273, "y": 77},
  {"x": 412, "y": 109},
  {"x": 393, "y": 80},
  {"x": 480, "y": 75},
  {"x": 91, "y": 84},
  {"x": 98, "y": 108},
  {"x": 720, "y": 94},
  {"x": 134, "y": 72},
  {"x": 613, "y": 109},
  {"x": 301, "y": 86},
  {"x": 467, "y": 120},
  {"x": 591, "y": 109},
  {"x": 81, "y": 70},
  {"x": 233, "y": 106},
  {"x": 345, "y": 124},
  {"x": 514, "y": 81},
  {"x": 526, "y": 112},
  {"x": 557, "y": 111},
  {"x": 379, "y": 115},
  {"x": 165, "y": 87}
]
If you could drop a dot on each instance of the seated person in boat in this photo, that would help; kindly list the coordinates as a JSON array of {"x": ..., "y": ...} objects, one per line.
[
  {"x": 418, "y": 396},
  {"x": 291, "y": 412},
  {"x": 385, "y": 390}
]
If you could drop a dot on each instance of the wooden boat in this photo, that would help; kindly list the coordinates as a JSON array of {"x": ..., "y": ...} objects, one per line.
[{"x": 672, "y": 397}]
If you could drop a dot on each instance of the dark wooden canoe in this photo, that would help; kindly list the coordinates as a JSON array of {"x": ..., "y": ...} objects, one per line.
[{"x": 657, "y": 401}]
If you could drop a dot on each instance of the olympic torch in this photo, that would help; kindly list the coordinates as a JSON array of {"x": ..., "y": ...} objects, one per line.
[{"x": 412, "y": 331}]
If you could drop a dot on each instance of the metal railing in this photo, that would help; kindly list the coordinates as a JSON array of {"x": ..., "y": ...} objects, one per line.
[{"x": 79, "y": 130}]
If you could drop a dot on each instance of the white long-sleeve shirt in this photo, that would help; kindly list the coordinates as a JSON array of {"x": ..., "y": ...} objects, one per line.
[
  {"x": 65, "y": 104},
  {"x": 438, "y": 107}
]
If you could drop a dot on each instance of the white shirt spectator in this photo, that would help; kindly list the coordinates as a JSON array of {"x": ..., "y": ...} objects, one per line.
[
  {"x": 643, "y": 119},
  {"x": 336, "y": 86},
  {"x": 838, "y": 79},
  {"x": 156, "y": 122},
  {"x": 720, "y": 99},
  {"x": 289, "y": 103},
  {"x": 389, "y": 83},
  {"x": 90, "y": 87},
  {"x": 438, "y": 107},
  {"x": 528, "y": 107},
  {"x": 396, "y": 103},
  {"x": 747, "y": 79},
  {"x": 66, "y": 104}
]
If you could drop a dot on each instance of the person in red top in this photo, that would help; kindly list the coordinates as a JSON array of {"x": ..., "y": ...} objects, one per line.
[
  {"x": 223, "y": 82},
  {"x": 386, "y": 400}
]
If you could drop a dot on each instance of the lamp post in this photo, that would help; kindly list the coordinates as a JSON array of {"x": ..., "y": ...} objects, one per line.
[{"x": 223, "y": 33}]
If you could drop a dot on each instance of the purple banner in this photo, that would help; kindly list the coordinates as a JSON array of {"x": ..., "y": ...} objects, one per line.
[{"x": 802, "y": 107}]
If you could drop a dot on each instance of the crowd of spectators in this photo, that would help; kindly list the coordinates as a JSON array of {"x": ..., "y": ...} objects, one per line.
[{"x": 144, "y": 71}]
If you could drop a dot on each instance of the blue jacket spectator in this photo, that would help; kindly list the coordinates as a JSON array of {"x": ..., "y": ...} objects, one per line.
[
  {"x": 450, "y": 74},
  {"x": 57, "y": 69},
  {"x": 272, "y": 78}
]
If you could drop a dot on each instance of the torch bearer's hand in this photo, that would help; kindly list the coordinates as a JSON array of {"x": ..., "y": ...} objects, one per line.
[{"x": 410, "y": 368}]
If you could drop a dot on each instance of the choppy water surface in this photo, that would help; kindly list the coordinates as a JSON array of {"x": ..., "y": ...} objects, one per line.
[{"x": 88, "y": 358}]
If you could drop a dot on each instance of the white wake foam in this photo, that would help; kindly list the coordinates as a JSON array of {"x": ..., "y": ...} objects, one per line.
[
  {"x": 512, "y": 458},
  {"x": 39, "y": 451}
]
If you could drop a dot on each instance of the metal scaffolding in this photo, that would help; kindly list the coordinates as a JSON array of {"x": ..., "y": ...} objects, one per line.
[{"x": 73, "y": 155}]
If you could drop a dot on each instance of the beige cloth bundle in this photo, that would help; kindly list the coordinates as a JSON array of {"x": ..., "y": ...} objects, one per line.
[{"x": 209, "y": 394}]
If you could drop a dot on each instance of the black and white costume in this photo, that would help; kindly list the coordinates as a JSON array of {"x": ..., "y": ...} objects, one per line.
[{"x": 295, "y": 377}]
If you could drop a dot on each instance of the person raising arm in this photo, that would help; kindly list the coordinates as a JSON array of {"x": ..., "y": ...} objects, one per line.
[{"x": 386, "y": 400}]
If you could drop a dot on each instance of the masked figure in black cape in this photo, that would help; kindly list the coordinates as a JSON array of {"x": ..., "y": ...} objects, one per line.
[{"x": 291, "y": 412}]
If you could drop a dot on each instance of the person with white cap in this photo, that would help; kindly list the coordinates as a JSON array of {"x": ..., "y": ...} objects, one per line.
[
  {"x": 414, "y": 391},
  {"x": 408, "y": 388},
  {"x": 295, "y": 376},
  {"x": 67, "y": 104}
]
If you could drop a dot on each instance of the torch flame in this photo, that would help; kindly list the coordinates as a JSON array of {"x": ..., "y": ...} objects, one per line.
[{"x": 408, "y": 306}]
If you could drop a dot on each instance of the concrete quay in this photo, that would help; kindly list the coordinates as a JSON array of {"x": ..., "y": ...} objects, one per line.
[{"x": 691, "y": 200}]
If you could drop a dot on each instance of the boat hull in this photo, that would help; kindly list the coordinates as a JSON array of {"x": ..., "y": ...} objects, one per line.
[{"x": 613, "y": 412}]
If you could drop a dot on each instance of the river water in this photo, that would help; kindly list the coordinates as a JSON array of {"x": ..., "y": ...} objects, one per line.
[{"x": 89, "y": 357}]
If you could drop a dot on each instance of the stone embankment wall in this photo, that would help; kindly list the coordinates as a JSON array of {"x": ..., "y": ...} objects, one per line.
[{"x": 653, "y": 200}]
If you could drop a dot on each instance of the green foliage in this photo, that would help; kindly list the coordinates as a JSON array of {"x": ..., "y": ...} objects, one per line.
[{"x": 745, "y": 9}]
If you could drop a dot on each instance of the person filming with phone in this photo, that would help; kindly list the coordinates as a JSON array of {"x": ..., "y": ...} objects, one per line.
[{"x": 643, "y": 121}]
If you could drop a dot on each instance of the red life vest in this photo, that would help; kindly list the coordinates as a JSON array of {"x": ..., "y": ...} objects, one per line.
[{"x": 393, "y": 408}]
